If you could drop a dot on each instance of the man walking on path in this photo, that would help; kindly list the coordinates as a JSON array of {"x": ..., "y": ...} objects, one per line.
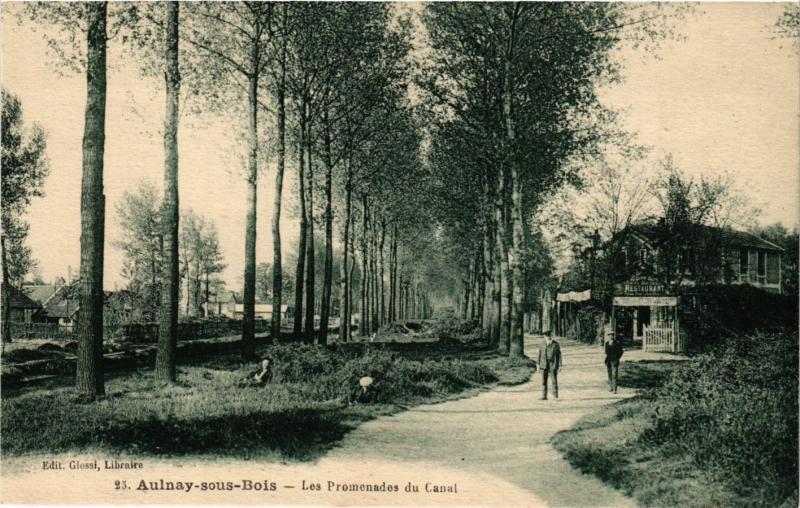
[
  {"x": 549, "y": 362},
  {"x": 613, "y": 353}
]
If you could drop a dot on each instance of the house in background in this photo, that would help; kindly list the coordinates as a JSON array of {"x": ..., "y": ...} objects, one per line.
[
  {"x": 263, "y": 311},
  {"x": 119, "y": 308},
  {"x": 223, "y": 304},
  {"x": 23, "y": 308},
  {"x": 655, "y": 273},
  {"x": 41, "y": 293},
  {"x": 709, "y": 256},
  {"x": 653, "y": 278},
  {"x": 61, "y": 308}
]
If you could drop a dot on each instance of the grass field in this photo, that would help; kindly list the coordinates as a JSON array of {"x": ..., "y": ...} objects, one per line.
[
  {"x": 718, "y": 430},
  {"x": 311, "y": 402}
]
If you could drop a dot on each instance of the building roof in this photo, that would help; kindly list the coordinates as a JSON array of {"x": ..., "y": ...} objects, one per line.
[
  {"x": 39, "y": 292},
  {"x": 65, "y": 302},
  {"x": 60, "y": 307},
  {"x": 729, "y": 237},
  {"x": 19, "y": 300},
  {"x": 261, "y": 307}
]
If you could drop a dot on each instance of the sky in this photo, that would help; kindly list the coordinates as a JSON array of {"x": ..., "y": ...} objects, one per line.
[{"x": 725, "y": 99}]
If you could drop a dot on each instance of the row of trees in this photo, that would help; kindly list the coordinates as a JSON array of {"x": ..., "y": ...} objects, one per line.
[
  {"x": 511, "y": 91},
  {"x": 427, "y": 175},
  {"x": 321, "y": 85}
]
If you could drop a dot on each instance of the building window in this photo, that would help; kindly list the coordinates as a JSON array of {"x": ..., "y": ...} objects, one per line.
[
  {"x": 743, "y": 264},
  {"x": 762, "y": 266}
]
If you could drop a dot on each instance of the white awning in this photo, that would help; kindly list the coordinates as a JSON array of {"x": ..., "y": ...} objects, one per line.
[{"x": 574, "y": 296}]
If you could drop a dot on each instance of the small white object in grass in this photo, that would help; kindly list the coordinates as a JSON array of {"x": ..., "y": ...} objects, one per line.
[{"x": 365, "y": 382}]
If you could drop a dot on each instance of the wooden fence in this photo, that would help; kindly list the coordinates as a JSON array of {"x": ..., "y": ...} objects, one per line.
[
  {"x": 140, "y": 333},
  {"x": 664, "y": 339}
]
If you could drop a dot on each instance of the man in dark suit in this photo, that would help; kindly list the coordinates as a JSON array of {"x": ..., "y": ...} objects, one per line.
[
  {"x": 613, "y": 351},
  {"x": 549, "y": 362}
]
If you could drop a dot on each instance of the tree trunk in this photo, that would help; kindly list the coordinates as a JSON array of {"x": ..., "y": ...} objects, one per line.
[
  {"x": 395, "y": 260},
  {"x": 504, "y": 288},
  {"x": 198, "y": 304},
  {"x": 368, "y": 292},
  {"x": 488, "y": 278},
  {"x": 188, "y": 289},
  {"x": 327, "y": 282},
  {"x": 310, "y": 252},
  {"x": 400, "y": 300},
  {"x": 364, "y": 325},
  {"x": 480, "y": 284},
  {"x": 407, "y": 304},
  {"x": 473, "y": 284},
  {"x": 515, "y": 258},
  {"x": 508, "y": 289},
  {"x": 352, "y": 249},
  {"x": 382, "y": 319},
  {"x": 374, "y": 277},
  {"x": 344, "y": 286},
  {"x": 89, "y": 370},
  {"x": 391, "y": 315},
  {"x": 277, "y": 263},
  {"x": 301, "y": 248},
  {"x": 207, "y": 295},
  {"x": 6, "y": 303},
  {"x": 368, "y": 283},
  {"x": 465, "y": 301},
  {"x": 249, "y": 297}
]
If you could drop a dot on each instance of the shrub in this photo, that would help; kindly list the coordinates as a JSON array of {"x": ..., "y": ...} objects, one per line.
[
  {"x": 452, "y": 327},
  {"x": 301, "y": 363},
  {"x": 723, "y": 310},
  {"x": 735, "y": 412}
]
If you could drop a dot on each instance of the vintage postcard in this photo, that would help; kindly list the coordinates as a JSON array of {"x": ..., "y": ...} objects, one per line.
[{"x": 400, "y": 254}]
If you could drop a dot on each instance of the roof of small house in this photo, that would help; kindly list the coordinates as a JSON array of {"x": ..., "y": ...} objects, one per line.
[
  {"x": 60, "y": 307},
  {"x": 729, "y": 237},
  {"x": 261, "y": 307},
  {"x": 65, "y": 302},
  {"x": 19, "y": 300},
  {"x": 39, "y": 292}
]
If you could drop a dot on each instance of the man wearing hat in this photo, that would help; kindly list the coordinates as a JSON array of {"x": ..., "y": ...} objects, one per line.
[
  {"x": 549, "y": 362},
  {"x": 613, "y": 351}
]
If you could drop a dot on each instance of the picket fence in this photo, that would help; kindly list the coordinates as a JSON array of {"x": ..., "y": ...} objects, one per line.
[
  {"x": 664, "y": 339},
  {"x": 140, "y": 333}
]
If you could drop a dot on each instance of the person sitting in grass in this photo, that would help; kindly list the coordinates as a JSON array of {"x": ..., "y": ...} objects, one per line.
[
  {"x": 614, "y": 352},
  {"x": 364, "y": 386},
  {"x": 264, "y": 375}
]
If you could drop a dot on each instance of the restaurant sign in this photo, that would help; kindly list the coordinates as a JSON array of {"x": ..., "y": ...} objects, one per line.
[{"x": 641, "y": 287}]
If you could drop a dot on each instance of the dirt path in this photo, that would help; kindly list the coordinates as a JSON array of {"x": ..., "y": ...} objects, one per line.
[
  {"x": 490, "y": 449},
  {"x": 504, "y": 432}
]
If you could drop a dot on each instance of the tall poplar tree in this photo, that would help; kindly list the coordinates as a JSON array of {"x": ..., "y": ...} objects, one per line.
[
  {"x": 90, "y": 381},
  {"x": 234, "y": 38},
  {"x": 170, "y": 284}
]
